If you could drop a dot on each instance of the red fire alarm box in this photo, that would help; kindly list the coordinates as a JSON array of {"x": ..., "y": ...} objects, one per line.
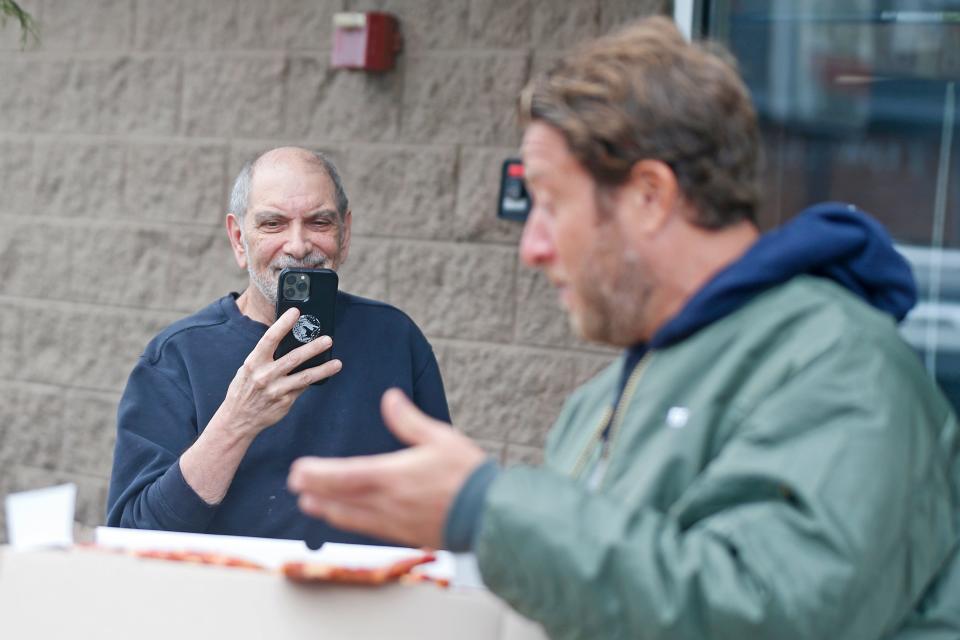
[{"x": 368, "y": 41}]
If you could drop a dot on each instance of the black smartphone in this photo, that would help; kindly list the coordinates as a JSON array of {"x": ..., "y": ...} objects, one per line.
[{"x": 314, "y": 293}]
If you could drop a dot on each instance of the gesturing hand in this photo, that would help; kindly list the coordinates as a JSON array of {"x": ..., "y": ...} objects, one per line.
[
  {"x": 263, "y": 389},
  {"x": 403, "y": 496}
]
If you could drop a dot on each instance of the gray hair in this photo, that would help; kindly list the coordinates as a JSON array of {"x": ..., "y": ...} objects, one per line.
[{"x": 240, "y": 193}]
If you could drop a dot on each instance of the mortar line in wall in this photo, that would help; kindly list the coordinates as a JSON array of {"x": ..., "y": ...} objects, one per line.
[
  {"x": 93, "y": 306},
  {"x": 42, "y": 138},
  {"x": 181, "y": 123},
  {"x": 386, "y": 283},
  {"x": 86, "y": 55},
  {"x": 193, "y": 226},
  {"x": 198, "y": 141},
  {"x": 135, "y": 30},
  {"x": 152, "y": 225},
  {"x": 515, "y": 282},
  {"x": 55, "y": 471},
  {"x": 124, "y": 223},
  {"x": 54, "y": 385},
  {"x": 527, "y": 348},
  {"x": 402, "y": 71},
  {"x": 113, "y": 138},
  {"x": 132, "y": 52},
  {"x": 438, "y": 241},
  {"x": 132, "y": 45}
]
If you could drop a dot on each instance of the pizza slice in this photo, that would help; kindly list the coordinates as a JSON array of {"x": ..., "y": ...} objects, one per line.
[
  {"x": 200, "y": 557},
  {"x": 308, "y": 572}
]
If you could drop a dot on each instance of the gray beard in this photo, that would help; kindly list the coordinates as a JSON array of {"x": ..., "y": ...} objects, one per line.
[{"x": 266, "y": 281}]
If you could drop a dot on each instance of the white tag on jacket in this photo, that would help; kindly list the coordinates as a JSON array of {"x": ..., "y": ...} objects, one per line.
[{"x": 677, "y": 417}]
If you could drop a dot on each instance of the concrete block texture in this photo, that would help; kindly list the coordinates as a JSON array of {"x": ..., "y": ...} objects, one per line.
[
  {"x": 120, "y": 266},
  {"x": 339, "y": 105},
  {"x": 89, "y": 432},
  {"x": 78, "y": 180},
  {"x": 452, "y": 290},
  {"x": 24, "y": 407},
  {"x": 403, "y": 192},
  {"x": 499, "y": 24},
  {"x": 16, "y": 176},
  {"x": 561, "y": 25},
  {"x": 468, "y": 98},
  {"x": 120, "y": 135},
  {"x": 541, "y": 320},
  {"x": 424, "y": 24},
  {"x": 35, "y": 259},
  {"x": 175, "y": 182},
  {"x": 202, "y": 269},
  {"x": 103, "y": 94},
  {"x": 88, "y": 25},
  {"x": 617, "y": 13},
  {"x": 235, "y": 24},
  {"x": 506, "y": 394},
  {"x": 478, "y": 187},
  {"x": 33, "y": 90},
  {"x": 85, "y": 347},
  {"x": 234, "y": 95},
  {"x": 365, "y": 273}
]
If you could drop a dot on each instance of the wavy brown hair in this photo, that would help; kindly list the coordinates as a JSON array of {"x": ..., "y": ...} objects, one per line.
[{"x": 644, "y": 92}]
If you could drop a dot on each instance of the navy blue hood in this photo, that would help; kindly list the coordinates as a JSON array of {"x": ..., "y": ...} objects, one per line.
[{"x": 831, "y": 240}]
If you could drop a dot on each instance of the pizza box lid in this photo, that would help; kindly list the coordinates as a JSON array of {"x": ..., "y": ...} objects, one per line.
[{"x": 80, "y": 593}]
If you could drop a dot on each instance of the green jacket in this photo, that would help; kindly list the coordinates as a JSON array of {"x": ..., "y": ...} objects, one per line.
[{"x": 789, "y": 471}]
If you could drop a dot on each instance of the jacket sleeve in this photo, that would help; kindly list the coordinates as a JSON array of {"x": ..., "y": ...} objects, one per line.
[
  {"x": 156, "y": 422},
  {"x": 824, "y": 516}
]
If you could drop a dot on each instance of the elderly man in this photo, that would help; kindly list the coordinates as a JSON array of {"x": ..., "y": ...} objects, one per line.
[
  {"x": 767, "y": 460},
  {"x": 209, "y": 423}
]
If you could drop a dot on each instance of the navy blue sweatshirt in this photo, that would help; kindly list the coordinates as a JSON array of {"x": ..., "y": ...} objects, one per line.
[
  {"x": 182, "y": 378},
  {"x": 831, "y": 240}
]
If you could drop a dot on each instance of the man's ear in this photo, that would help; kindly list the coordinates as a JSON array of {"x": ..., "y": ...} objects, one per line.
[
  {"x": 650, "y": 196},
  {"x": 345, "y": 236},
  {"x": 235, "y": 233}
]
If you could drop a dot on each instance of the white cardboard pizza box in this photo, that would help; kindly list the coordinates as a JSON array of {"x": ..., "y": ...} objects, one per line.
[{"x": 81, "y": 593}]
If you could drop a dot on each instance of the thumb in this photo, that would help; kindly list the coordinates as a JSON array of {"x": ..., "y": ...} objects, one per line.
[{"x": 406, "y": 421}]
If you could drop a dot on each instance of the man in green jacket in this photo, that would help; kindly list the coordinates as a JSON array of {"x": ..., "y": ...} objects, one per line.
[{"x": 768, "y": 459}]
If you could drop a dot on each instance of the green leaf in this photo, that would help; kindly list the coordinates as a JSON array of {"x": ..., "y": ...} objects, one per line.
[{"x": 28, "y": 26}]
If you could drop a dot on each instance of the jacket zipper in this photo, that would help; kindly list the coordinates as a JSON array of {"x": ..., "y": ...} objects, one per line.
[{"x": 614, "y": 414}]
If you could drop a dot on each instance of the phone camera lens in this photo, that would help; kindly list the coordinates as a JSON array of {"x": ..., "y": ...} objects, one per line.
[
  {"x": 290, "y": 279},
  {"x": 289, "y": 292},
  {"x": 301, "y": 286}
]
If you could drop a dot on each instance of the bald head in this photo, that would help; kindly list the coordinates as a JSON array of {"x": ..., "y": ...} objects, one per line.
[{"x": 284, "y": 160}]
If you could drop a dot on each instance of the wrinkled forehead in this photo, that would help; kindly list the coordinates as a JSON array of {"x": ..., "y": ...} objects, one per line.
[{"x": 298, "y": 184}]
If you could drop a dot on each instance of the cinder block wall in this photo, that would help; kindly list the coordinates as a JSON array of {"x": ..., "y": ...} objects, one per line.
[{"x": 120, "y": 134}]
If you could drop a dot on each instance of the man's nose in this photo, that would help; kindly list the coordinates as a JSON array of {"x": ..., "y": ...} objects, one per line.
[
  {"x": 298, "y": 244},
  {"x": 536, "y": 244}
]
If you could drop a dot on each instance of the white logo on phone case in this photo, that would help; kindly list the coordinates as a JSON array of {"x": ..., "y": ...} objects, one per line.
[{"x": 307, "y": 328}]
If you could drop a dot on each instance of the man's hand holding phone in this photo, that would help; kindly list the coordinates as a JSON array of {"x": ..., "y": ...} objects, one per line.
[
  {"x": 263, "y": 389},
  {"x": 260, "y": 395}
]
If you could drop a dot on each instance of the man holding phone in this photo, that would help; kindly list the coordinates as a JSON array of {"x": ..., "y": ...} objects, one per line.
[
  {"x": 767, "y": 460},
  {"x": 210, "y": 420}
]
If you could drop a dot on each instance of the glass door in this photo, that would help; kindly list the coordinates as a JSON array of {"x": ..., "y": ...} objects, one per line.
[{"x": 858, "y": 102}]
